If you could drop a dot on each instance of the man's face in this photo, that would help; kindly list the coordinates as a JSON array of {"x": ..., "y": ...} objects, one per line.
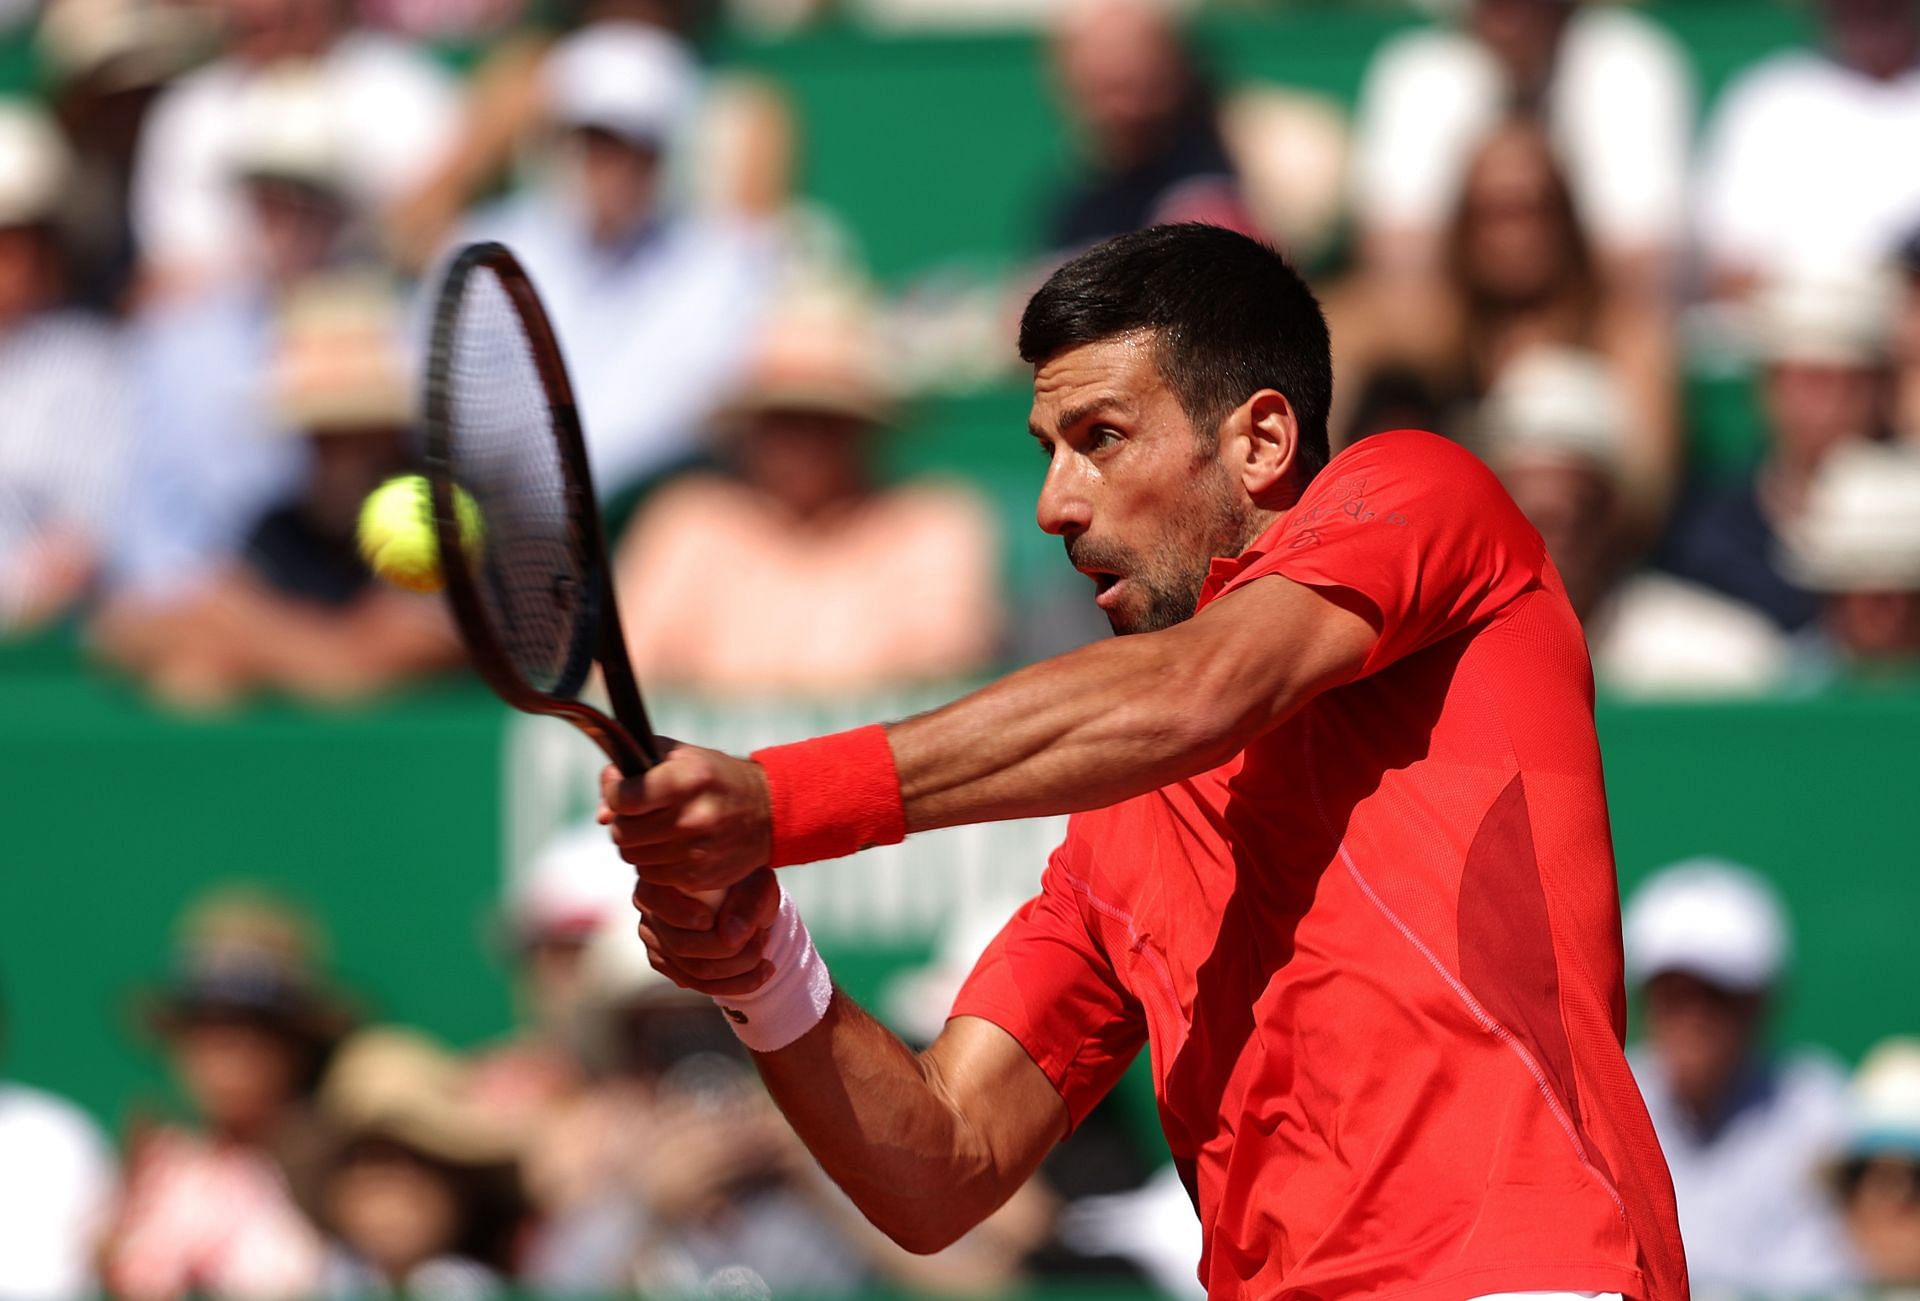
[
  {"x": 1142, "y": 500},
  {"x": 1571, "y": 501},
  {"x": 1701, "y": 1033},
  {"x": 1815, "y": 406}
]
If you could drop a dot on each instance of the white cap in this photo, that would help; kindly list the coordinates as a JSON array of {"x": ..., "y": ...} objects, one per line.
[
  {"x": 1883, "y": 1106},
  {"x": 1825, "y": 315},
  {"x": 571, "y": 887},
  {"x": 287, "y": 126},
  {"x": 1861, "y": 527},
  {"x": 630, "y": 79},
  {"x": 1711, "y": 919},
  {"x": 34, "y": 162},
  {"x": 1557, "y": 402}
]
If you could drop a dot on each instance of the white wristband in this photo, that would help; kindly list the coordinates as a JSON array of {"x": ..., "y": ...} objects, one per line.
[{"x": 796, "y": 995}]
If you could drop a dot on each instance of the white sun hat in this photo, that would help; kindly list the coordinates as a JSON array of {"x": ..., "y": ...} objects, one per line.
[
  {"x": 632, "y": 80},
  {"x": 1562, "y": 403},
  {"x": 1709, "y": 918},
  {"x": 1861, "y": 528}
]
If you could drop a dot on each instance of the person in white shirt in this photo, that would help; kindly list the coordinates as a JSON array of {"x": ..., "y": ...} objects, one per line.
[
  {"x": 56, "y": 1192},
  {"x": 1745, "y": 1135},
  {"x": 1612, "y": 88},
  {"x": 395, "y": 113},
  {"x": 1808, "y": 157},
  {"x": 654, "y": 306}
]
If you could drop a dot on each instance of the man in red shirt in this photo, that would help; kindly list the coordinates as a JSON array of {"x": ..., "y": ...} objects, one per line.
[{"x": 1340, "y": 854}]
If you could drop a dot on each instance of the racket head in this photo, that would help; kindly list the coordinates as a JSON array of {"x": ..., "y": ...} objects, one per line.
[{"x": 534, "y": 599}]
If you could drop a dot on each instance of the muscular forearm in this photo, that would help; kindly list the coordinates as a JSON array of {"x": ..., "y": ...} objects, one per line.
[{"x": 892, "y": 1129}]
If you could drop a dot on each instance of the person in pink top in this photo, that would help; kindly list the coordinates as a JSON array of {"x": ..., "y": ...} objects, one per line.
[{"x": 786, "y": 573}]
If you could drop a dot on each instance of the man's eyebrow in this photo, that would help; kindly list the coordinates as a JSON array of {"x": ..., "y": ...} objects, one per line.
[{"x": 1076, "y": 415}]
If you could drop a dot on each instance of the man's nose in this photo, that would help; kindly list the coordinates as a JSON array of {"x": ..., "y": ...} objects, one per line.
[{"x": 1064, "y": 509}]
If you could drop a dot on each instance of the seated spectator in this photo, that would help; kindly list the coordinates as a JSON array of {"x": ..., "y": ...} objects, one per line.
[
  {"x": 1744, "y": 1132},
  {"x": 56, "y": 1193},
  {"x": 248, "y": 1028},
  {"x": 673, "y": 1166},
  {"x": 1614, "y": 94},
  {"x": 1878, "y": 1174},
  {"x": 1145, "y": 122},
  {"x": 1518, "y": 273},
  {"x": 815, "y": 551},
  {"x": 1556, "y": 429},
  {"x": 553, "y": 906},
  {"x": 1857, "y": 546},
  {"x": 417, "y": 1187},
  {"x": 1804, "y": 157},
  {"x": 1906, "y": 395},
  {"x": 652, "y": 306},
  {"x": 392, "y": 109},
  {"x": 296, "y": 610},
  {"x": 1823, "y": 342},
  {"x": 65, "y": 435},
  {"x": 206, "y": 462}
]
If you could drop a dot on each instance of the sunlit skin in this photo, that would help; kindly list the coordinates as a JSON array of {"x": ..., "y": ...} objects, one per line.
[
  {"x": 1703, "y": 1035},
  {"x": 240, "y": 1077},
  {"x": 1143, "y": 501},
  {"x": 394, "y": 1209}
]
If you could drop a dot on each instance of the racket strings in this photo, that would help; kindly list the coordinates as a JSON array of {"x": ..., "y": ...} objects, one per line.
[{"x": 532, "y": 571}]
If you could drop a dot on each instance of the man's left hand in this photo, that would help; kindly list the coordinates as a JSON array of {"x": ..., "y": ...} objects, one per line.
[{"x": 699, "y": 820}]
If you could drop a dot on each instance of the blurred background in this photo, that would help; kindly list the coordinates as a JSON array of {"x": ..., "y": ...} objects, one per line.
[{"x": 313, "y": 980}]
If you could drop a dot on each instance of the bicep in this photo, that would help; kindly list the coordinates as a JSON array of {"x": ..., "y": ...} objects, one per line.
[
  {"x": 999, "y": 1094},
  {"x": 1264, "y": 649}
]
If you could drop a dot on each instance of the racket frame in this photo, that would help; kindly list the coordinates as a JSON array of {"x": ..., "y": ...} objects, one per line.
[{"x": 626, "y": 736}]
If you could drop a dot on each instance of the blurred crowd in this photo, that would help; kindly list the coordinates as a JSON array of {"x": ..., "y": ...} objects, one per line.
[
  {"x": 618, "y": 1140},
  {"x": 219, "y": 224}
]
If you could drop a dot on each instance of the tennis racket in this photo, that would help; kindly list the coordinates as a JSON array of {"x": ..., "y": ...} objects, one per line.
[{"x": 534, "y": 599}]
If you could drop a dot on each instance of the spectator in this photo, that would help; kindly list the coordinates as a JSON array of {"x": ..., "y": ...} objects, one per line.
[
  {"x": 297, "y": 610},
  {"x": 818, "y": 550},
  {"x": 1744, "y": 1133},
  {"x": 64, "y": 441},
  {"x": 1146, "y": 123},
  {"x": 56, "y": 1191},
  {"x": 1610, "y": 89},
  {"x": 1857, "y": 546},
  {"x": 673, "y": 1166},
  {"x": 1878, "y": 1175},
  {"x": 247, "y": 1028},
  {"x": 1906, "y": 397},
  {"x": 553, "y": 905},
  {"x": 1519, "y": 272},
  {"x": 391, "y": 109},
  {"x": 1800, "y": 157},
  {"x": 1556, "y": 428},
  {"x": 1823, "y": 341},
  {"x": 418, "y": 1188},
  {"x": 206, "y": 461},
  {"x": 650, "y": 305}
]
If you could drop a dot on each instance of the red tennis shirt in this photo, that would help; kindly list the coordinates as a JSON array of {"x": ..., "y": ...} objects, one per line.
[{"x": 1376, "y": 955}]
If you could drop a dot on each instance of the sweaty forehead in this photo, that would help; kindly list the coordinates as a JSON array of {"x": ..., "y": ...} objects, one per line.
[{"x": 1117, "y": 376}]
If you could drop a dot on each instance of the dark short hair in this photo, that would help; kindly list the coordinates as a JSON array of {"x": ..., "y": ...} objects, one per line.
[{"x": 1228, "y": 314}]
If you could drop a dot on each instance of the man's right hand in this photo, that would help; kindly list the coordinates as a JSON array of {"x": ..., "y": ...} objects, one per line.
[{"x": 711, "y": 949}]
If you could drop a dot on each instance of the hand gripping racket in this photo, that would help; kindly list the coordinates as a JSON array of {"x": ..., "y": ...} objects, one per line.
[{"x": 533, "y": 599}]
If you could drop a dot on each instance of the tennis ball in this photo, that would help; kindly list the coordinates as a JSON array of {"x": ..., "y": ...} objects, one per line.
[{"x": 396, "y": 532}]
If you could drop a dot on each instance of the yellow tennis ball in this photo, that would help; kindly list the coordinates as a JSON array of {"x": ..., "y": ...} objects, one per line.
[{"x": 396, "y": 532}]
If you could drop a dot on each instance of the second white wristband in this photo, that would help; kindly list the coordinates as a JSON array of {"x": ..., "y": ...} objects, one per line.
[{"x": 795, "y": 996}]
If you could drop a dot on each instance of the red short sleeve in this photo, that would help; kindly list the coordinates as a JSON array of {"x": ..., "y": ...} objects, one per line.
[
  {"x": 1047, "y": 982},
  {"x": 1415, "y": 526}
]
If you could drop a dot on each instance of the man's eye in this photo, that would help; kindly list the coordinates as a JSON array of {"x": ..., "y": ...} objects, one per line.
[{"x": 1102, "y": 438}]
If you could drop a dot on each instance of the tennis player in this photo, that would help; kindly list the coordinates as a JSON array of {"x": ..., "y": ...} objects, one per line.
[{"x": 1339, "y": 857}]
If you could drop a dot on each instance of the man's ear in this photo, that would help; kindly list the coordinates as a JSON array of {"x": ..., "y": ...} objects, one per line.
[{"x": 1265, "y": 448}]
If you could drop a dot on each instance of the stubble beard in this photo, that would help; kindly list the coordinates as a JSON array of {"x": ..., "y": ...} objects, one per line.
[{"x": 1218, "y": 521}]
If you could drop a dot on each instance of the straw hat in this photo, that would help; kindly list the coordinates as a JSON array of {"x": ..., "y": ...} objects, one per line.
[
  {"x": 287, "y": 128},
  {"x": 1861, "y": 528},
  {"x": 34, "y": 165},
  {"x": 820, "y": 352},
  {"x": 244, "y": 955},
  {"x": 1883, "y": 1108},
  {"x": 1825, "y": 315},
  {"x": 400, "y": 1086},
  {"x": 1563, "y": 403},
  {"x": 340, "y": 364}
]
